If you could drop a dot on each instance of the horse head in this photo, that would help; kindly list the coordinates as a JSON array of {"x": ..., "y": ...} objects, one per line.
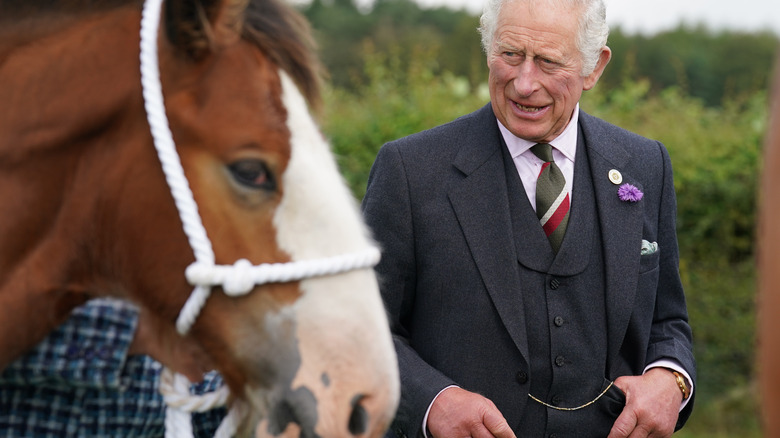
[{"x": 311, "y": 356}]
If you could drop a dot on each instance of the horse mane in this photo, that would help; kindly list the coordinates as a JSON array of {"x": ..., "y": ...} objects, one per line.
[
  {"x": 277, "y": 29},
  {"x": 280, "y": 31},
  {"x": 286, "y": 37}
]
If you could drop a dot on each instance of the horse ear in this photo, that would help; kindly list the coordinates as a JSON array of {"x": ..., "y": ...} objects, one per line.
[{"x": 196, "y": 26}]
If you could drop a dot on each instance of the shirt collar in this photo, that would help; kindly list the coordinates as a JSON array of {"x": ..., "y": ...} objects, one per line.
[{"x": 566, "y": 143}]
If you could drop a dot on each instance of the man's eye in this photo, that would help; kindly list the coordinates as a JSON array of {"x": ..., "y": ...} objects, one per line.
[{"x": 513, "y": 58}]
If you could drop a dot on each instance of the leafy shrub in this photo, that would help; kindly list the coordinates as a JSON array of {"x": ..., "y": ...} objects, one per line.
[{"x": 394, "y": 102}]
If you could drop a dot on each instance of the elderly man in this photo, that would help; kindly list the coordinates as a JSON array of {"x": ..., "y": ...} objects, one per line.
[{"x": 530, "y": 263}]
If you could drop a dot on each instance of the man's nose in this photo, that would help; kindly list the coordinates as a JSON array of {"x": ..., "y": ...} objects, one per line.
[{"x": 526, "y": 80}]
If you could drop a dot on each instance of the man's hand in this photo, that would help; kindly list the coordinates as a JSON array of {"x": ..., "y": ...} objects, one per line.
[
  {"x": 652, "y": 405},
  {"x": 457, "y": 413}
]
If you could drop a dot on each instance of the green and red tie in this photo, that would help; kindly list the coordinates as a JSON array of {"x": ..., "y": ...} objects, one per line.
[{"x": 552, "y": 199}]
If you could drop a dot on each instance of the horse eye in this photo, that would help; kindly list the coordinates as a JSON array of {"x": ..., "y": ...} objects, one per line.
[{"x": 253, "y": 174}]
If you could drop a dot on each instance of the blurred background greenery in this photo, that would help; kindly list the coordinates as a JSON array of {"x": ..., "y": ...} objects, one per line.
[{"x": 397, "y": 69}]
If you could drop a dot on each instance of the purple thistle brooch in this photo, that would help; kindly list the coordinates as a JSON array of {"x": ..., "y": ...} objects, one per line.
[{"x": 630, "y": 193}]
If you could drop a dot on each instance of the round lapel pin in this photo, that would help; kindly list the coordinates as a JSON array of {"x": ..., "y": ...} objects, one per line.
[{"x": 615, "y": 177}]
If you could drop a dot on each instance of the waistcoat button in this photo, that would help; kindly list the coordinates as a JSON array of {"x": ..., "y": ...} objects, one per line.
[
  {"x": 560, "y": 361},
  {"x": 558, "y": 321}
]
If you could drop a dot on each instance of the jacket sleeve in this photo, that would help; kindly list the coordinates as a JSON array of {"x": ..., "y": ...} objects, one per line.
[{"x": 670, "y": 335}]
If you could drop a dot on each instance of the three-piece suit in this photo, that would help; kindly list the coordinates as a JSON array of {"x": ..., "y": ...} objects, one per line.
[{"x": 477, "y": 297}]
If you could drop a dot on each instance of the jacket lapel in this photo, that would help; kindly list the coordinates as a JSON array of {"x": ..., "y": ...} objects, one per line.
[
  {"x": 480, "y": 203},
  {"x": 621, "y": 227}
]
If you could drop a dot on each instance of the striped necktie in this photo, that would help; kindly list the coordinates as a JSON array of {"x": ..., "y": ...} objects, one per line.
[{"x": 552, "y": 199}]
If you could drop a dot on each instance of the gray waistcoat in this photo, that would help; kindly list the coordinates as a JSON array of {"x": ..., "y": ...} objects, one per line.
[{"x": 565, "y": 314}]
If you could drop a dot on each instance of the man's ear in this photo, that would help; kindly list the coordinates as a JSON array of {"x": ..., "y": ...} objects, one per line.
[
  {"x": 195, "y": 26},
  {"x": 593, "y": 78}
]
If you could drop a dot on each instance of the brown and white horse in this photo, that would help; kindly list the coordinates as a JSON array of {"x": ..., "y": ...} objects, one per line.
[
  {"x": 769, "y": 271},
  {"x": 85, "y": 209}
]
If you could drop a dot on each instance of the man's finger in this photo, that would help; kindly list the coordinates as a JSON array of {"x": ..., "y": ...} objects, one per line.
[
  {"x": 624, "y": 425},
  {"x": 497, "y": 425}
]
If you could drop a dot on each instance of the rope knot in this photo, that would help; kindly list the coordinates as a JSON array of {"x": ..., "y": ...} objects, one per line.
[{"x": 240, "y": 279}]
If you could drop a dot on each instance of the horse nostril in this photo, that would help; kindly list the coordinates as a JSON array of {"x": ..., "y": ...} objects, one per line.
[
  {"x": 358, "y": 419},
  {"x": 297, "y": 407}
]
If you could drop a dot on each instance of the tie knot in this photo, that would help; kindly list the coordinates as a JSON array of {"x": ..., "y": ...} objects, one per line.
[{"x": 543, "y": 151}]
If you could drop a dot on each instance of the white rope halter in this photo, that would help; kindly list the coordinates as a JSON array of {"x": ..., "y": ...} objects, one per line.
[{"x": 237, "y": 279}]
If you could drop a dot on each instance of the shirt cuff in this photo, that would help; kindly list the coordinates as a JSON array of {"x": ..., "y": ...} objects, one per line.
[
  {"x": 425, "y": 418},
  {"x": 667, "y": 363},
  {"x": 674, "y": 365}
]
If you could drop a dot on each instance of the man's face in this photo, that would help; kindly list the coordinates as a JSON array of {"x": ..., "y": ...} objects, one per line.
[{"x": 536, "y": 69}]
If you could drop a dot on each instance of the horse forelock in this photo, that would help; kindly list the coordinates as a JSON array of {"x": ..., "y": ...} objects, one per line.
[
  {"x": 277, "y": 29},
  {"x": 285, "y": 36}
]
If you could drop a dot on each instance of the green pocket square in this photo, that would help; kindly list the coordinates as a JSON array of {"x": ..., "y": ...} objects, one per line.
[{"x": 649, "y": 247}]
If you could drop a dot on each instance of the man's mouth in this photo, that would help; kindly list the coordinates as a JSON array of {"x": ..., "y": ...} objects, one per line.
[{"x": 529, "y": 109}]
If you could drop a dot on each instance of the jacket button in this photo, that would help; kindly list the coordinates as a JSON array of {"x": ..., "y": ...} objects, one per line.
[
  {"x": 521, "y": 377},
  {"x": 554, "y": 283},
  {"x": 560, "y": 361},
  {"x": 558, "y": 321}
]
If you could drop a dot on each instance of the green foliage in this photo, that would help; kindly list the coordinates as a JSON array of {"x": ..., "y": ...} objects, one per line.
[
  {"x": 395, "y": 101},
  {"x": 713, "y": 67},
  {"x": 732, "y": 414},
  {"x": 342, "y": 31},
  {"x": 721, "y": 307}
]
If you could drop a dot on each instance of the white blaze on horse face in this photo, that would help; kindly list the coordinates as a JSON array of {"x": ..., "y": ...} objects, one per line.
[{"x": 343, "y": 336}]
